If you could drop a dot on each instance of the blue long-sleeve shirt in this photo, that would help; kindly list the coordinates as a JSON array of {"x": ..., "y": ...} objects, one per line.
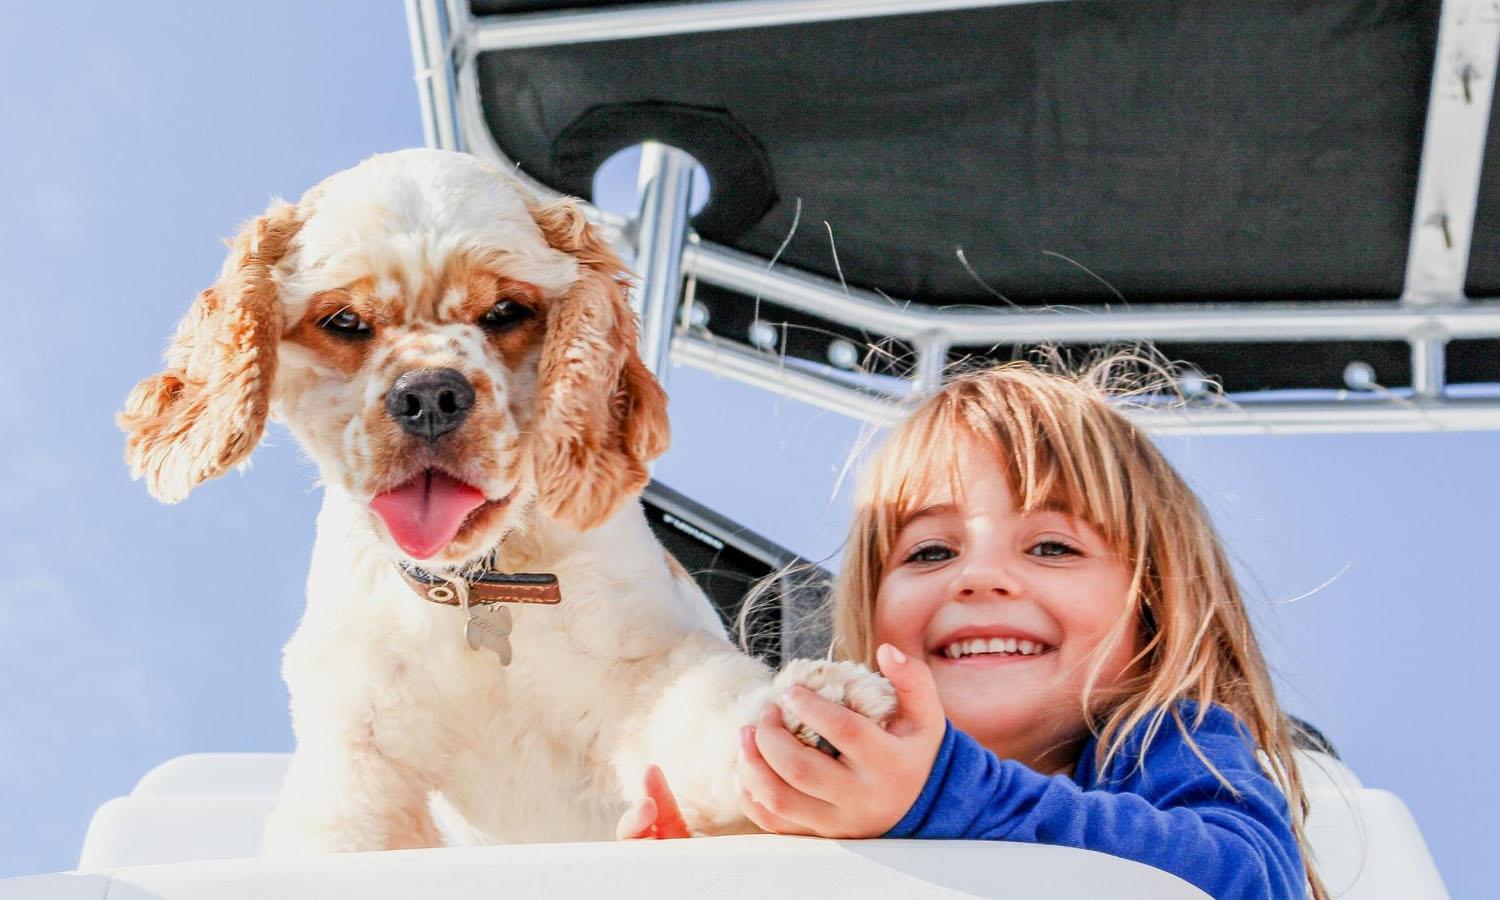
[{"x": 1170, "y": 813}]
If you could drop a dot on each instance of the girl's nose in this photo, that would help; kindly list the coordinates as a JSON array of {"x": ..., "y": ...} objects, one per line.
[{"x": 988, "y": 574}]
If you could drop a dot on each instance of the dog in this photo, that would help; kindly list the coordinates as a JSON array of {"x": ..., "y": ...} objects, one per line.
[{"x": 459, "y": 361}]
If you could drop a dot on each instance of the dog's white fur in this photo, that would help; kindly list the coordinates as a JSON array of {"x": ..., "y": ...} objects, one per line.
[{"x": 389, "y": 704}]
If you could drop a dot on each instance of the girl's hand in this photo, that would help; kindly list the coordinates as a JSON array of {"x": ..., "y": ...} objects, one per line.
[
  {"x": 791, "y": 788},
  {"x": 656, "y": 817}
]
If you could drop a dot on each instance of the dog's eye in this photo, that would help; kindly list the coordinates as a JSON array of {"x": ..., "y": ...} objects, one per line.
[
  {"x": 345, "y": 322},
  {"x": 505, "y": 314}
]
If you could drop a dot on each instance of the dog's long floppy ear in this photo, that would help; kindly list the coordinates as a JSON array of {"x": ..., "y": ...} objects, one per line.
[
  {"x": 601, "y": 416},
  {"x": 207, "y": 410}
]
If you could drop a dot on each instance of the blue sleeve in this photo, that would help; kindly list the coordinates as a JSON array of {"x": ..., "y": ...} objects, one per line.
[{"x": 1171, "y": 813}]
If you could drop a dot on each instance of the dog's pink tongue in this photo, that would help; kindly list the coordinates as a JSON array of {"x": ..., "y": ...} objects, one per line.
[{"x": 425, "y": 513}]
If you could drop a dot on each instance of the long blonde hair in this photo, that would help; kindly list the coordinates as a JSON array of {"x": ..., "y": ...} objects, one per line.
[{"x": 1061, "y": 441}]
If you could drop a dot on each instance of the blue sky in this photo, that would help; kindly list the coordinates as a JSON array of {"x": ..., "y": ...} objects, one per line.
[{"x": 138, "y": 136}]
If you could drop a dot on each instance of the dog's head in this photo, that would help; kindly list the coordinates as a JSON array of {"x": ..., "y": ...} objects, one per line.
[{"x": 447, "y": 352}]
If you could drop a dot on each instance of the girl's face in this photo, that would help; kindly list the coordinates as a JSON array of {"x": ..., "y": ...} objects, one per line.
[{"x": 1007, "y": 609}]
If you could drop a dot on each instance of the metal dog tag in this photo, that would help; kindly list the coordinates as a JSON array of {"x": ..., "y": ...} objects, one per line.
[{"x": 489, "y": 627}]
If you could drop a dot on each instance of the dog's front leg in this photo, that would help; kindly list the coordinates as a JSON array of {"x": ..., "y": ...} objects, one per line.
[
  {"x": 343, "y": 794},
  {"x": 693, "y": 709},
  {"x": 686, "y": 719}
]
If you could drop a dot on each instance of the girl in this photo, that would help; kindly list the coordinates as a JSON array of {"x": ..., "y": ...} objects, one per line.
[{"x": 1072, "y": 658}]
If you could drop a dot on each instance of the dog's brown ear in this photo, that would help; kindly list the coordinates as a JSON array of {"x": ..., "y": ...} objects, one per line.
[
  {"x": 206, "y": 412},
  {"x": 601, "y": 416}
]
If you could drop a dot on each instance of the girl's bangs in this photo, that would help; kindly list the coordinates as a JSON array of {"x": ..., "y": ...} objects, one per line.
[
  {"x": 1056, "y": 453},
  {"x": 1055, "y": 447},
  {"x": 916, "y": 463}
]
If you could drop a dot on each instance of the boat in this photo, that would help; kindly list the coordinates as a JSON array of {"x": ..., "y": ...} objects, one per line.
[{"x": 1294, "y": 200}]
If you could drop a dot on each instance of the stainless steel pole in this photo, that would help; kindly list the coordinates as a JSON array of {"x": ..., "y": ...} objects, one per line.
[{"x": 666, "y": 180}]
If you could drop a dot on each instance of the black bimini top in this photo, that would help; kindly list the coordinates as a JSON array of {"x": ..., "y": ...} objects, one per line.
[{"x": 1079, "y": 153}]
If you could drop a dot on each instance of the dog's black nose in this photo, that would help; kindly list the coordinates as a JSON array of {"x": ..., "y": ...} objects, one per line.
[{"x": 430, "y": 403}]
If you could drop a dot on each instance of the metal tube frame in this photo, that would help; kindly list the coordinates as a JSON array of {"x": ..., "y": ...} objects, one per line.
[
  {"x": 666, "y": 182},
  {"x": 446, "y": 40},
  {"x": 437, "y": 28},
  {"x": 511, "y": 32}
]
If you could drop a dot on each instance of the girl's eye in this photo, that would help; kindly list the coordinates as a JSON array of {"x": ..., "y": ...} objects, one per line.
[
  {"x": 345, "y": 323},
  {"x": 929, "y": 553},
  {"x": 1052, "y": 549},
  {"x": 505, "y": 315}
]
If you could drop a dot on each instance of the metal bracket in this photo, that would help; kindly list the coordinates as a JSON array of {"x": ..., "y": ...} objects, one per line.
[{"x": 1458, "y": 118}]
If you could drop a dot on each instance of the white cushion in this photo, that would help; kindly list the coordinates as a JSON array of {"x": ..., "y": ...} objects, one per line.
[
  {"x": 193, "y": 807},
  {"x": 1365, "y": 843},
  {"x": 1322, "y": 772},
  {"x": 1367, "y": 847},
  {"x": 216, "y": 773},
  {"x": 142, "y": 830}
]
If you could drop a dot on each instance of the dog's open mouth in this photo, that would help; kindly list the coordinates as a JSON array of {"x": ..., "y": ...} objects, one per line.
[{"x": 424, "y": 514}]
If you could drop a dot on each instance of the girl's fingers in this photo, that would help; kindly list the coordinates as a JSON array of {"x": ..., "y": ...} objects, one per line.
[
  {"x": 850, "y": 733},
  {"x": 810, "y": 771},
  {"x": 636, "y": 824},
  {"x": 669, "y": 821},
  {"x": 770, "y": 791},
  {"x": 919, "y": 706},
  {"x": 766, "y": 820}
]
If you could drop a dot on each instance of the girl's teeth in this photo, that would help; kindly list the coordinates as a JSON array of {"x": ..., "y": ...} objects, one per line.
[{"x": 996, "y": 645}]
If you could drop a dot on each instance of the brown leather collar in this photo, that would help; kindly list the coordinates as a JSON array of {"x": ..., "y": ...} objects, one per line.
[{"x": 490, "y": 587}]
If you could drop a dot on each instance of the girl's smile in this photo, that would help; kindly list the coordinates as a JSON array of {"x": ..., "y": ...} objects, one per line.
[{"x": 1009, "y": 609}]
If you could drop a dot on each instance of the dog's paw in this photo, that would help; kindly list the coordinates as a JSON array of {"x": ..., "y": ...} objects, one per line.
[{"x": 846, "y": 683}]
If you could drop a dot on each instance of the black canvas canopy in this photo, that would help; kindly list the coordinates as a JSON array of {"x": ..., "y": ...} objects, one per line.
[
  {"x": 1184, "y": 151},
  {"x": 1288, "y": 196},
  {"x": 1207, "y": 157}
]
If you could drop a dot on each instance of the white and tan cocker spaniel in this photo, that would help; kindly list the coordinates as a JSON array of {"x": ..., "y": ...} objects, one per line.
[{"x": 460, "y": 363}]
